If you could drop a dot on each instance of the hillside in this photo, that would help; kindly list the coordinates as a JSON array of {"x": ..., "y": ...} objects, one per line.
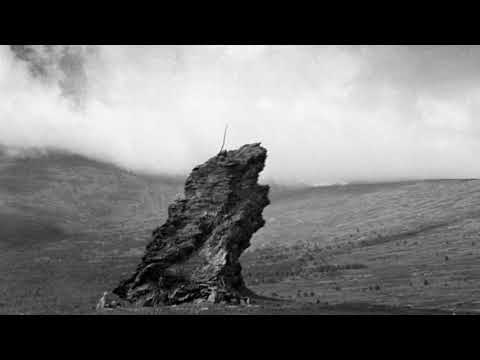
[
  {"x": 72, "y": 227},
  {"x": 62, "y": 218},
  {"x": 412, "y": 243}
]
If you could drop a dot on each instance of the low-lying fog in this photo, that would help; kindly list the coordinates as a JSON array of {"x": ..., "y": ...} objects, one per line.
[{"x": 326, "y": 114}]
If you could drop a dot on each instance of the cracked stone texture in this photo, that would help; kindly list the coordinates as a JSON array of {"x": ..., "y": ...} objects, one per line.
[{"x": 194, "y": 255}]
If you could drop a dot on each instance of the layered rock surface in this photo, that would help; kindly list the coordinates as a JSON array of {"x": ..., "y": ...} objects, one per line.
[{"x": 195, "y": 253}]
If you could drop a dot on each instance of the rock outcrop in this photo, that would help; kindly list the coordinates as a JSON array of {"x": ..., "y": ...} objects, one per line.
[{"x": 195, "y": 253}]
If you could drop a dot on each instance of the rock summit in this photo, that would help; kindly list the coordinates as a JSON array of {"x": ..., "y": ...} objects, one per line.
[{"x": 194, "y": 255}]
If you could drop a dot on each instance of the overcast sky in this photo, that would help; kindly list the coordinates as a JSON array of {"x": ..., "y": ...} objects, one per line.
[{"x": 325, "y": 113}]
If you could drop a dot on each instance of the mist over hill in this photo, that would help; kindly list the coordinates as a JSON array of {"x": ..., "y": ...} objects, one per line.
[{"x": 327, "y": 114}]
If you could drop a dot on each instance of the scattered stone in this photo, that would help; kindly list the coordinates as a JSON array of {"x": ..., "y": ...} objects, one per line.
[{"x": 109, "y": 301}]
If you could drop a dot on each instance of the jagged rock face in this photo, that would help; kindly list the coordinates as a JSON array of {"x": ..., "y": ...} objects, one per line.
[{"x": 195, "y": 253}]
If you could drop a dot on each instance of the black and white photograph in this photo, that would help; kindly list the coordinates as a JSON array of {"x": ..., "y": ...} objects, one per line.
[{"x": 245, "y": 179}]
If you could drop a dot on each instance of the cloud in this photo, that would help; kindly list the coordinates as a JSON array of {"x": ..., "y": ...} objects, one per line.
[{"x": 325, "y": 113}]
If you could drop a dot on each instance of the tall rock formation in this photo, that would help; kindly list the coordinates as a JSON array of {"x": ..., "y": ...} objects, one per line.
[{"x": 195, "y": 253}]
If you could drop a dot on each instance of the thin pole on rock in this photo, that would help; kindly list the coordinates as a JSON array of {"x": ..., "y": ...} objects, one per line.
[{"x": 224, "y": 136}]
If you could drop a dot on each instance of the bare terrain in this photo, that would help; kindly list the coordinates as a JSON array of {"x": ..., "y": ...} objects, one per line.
[{"x": 70, "y": 228}]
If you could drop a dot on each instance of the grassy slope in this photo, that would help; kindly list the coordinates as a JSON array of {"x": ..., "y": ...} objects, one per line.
[
  {"x": 72, "y": 228},
  {"x": 398, "y": 244},
  {"x": 66, "y": 226}
]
